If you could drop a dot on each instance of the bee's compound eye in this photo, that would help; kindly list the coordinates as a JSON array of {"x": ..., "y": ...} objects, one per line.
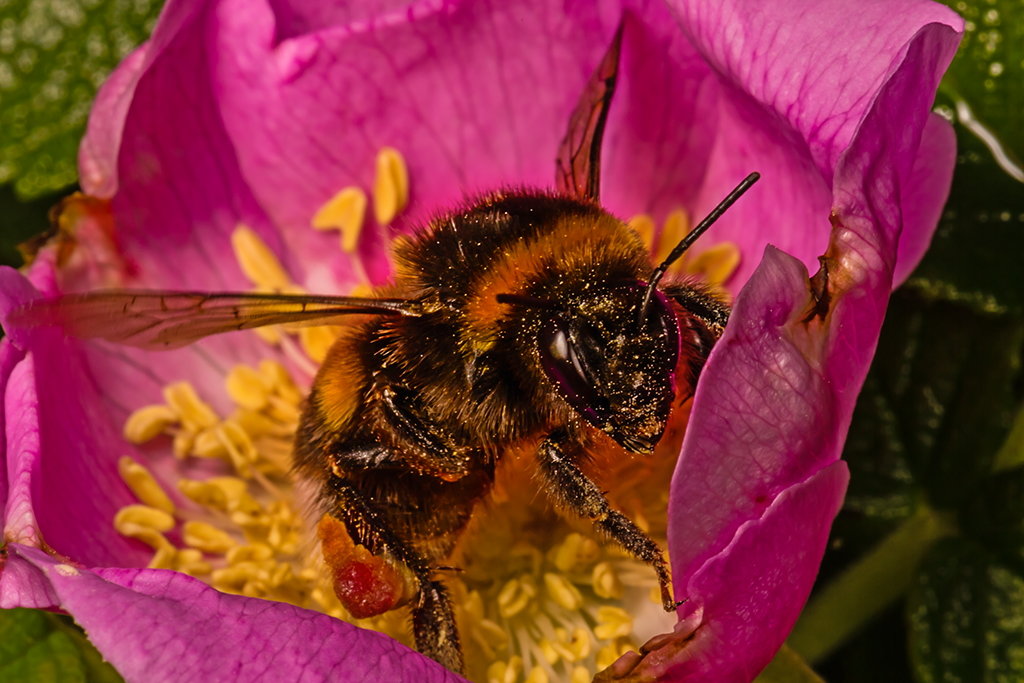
[
  {"x": 567, "y": 368},
  {"x": 558, "y": 347}
]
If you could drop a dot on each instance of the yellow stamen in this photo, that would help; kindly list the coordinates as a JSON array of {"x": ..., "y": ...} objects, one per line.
[
  {"x": 644, "y": 227},
  {"x": 207, "y": 538},
  {"x": 147, "y": 423},
  {"x": 580, "y": 644},
  {"x": 537, "y": 675},
  {"x": 716, "y": 264},
  {"x": 183, "y": 443},
  {"x": 562, "y": 591},
  {"x": 391, "y": 186},
  {"x": 271, "y": 335},
  {"x": 317, "y": 341},
  {"x": 613, "y": 622},
  {"x": 606, "y": 581},
  {"x": 208, "y": 444},
  {"x": 505, "y": 672},
  {"x": 164, "y": 558},
  {"x": 140, "y": 480},
  {"x": 677, "y": 224},
  {"x": 219, "y": 493},
  {"x": 580, "y": 675},
  {"x": 193, "y": 413},
  {"x": 190, "y": 561},
  {"x": 515, "y": 596},
  {"x": 144, "y": 516},
  {"x": 247, "y": 387},
  {"x": 257, "y": 261},
  {"x": 148, "y": 535},
  {"x": 346, "y": 212}
]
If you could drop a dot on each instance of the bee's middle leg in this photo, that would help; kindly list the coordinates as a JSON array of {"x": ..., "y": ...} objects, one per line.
[
  {"x": 433, "y": 619},
  {"x": 568, "y": 486}
]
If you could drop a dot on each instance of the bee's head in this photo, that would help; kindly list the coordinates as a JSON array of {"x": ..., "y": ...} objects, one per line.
[{"x": 616, "y": 374}]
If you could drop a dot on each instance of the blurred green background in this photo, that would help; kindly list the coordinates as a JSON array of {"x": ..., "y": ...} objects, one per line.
[{"x": 924, "y": 577}]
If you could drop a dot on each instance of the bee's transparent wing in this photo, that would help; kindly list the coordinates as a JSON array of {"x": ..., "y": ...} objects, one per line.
[
  {"x": 152, "y": 319},
  {"x": 578, "y": 168}
]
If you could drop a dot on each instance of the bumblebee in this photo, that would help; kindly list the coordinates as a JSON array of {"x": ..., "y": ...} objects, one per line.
[{"x": 528, "y": 320}]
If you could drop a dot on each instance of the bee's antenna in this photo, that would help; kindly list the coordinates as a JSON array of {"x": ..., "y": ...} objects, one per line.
[{"x": 692, "y": 237}]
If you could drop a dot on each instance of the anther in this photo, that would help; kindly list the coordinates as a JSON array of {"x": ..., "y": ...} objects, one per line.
[
  {"x": 391, "y": 185},
  {"x": 145, "y": 487},
  {"x": 147, "y": 423},
  {"x": 345, "y": 212},
  {"x": 257, "y": 261}
]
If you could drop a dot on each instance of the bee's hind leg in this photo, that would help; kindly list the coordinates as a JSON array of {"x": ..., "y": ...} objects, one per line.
[
  {"x": 432, "y": 617},
  {"x": 571, "y": 489}
]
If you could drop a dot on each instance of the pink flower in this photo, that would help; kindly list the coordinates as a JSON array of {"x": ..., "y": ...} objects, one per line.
[{"x": 245, "y": 112}]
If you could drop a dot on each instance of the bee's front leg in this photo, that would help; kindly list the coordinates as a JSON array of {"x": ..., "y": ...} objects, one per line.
[
  {"x": 571, "y": 489},
  {"x": 433, "y": 619}
]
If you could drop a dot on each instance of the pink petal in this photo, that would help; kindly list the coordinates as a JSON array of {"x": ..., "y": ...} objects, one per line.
[
  {"x": 926, "y": 194},
  {"x": 159, "y": 625},
  {"x": 309, "y": 112},
  {"x": 778, "y": 88},
  {"x": 776, "y": 397},
  {"x": 10, "y": 356},
  {"x": 776, "y": 555}
]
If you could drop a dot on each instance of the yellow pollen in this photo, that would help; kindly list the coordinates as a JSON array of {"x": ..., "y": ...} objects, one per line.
[
  {"x": 257, "y": 261},
  {"x": 391, "y": 185},
  {"x": 580, "y": 674},
  {"x": 346, "y": 212},
  {"x": 147, "y": 422},
  {"x": 141, "y": 482}
]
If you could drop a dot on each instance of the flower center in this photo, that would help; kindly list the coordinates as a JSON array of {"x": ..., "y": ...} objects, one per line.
[{"x": 538, "y": 596}]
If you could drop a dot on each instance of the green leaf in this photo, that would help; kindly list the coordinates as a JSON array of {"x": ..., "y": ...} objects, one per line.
[
  {"x": 1012, "y": 453},
  {"x": 788, "y": 667},
  {"x": 975, "y": 258},
  {"x": 20, "y": 220},
  {"x": 866, "y": 588},
  {"x": 54, "y": 54},
  {"x": 948, "y": 378},
  {"x": 988, "y": 72},
  {"x": 966, "y": 617},
  {"x": 995, "y": 517},
  {"x": 38, "y": 646}
]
